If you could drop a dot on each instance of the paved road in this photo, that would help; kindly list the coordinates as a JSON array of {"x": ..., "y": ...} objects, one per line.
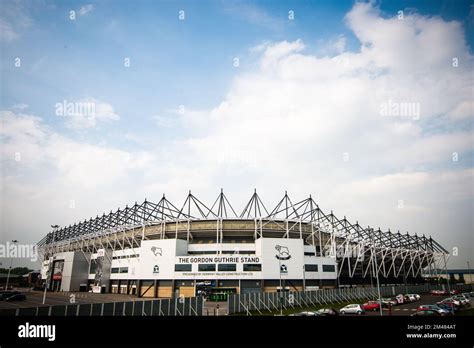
[
  {"x": 35, "y": 299},
  {"x": 215, "y": 308}
]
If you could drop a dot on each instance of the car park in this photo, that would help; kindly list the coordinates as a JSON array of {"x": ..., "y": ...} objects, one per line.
[
  {"x": 327, "y": 312},
  {"x": 371, "y": 306},
  {"x": 439, "y": 292},
  {"x": 352, "y": 309}
]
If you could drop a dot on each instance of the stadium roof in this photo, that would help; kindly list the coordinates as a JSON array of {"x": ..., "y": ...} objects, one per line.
[{"x": 305, "y": 210}]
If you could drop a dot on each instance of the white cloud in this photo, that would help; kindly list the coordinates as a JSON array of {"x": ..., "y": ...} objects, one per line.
[
  {"x": 86, "y": 9},
  {"x": 14, "y": 19},
  {"x": 464, "y": 109},
  {"x": 7, "y": 33}
]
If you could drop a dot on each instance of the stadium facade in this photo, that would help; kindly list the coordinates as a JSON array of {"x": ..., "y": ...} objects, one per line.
[{"x": 159, "y": 250}]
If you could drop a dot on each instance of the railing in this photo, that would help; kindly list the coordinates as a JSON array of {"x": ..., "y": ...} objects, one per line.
[
  {"x": 272, "y": 301},
  {"x": 189, "y": 306}
]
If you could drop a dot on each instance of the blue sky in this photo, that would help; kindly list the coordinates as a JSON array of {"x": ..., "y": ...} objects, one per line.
[
  {"x": 172, "y": 62},
  {"x": 306, "y": 92}
]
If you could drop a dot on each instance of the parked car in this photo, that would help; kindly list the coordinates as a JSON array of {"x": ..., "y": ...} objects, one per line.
[
  {"x": 453, "y": 303},
  {"x": 16, "y": 297},
  {"x": 450, "y": 308},
  {"x": 352, "y": 309},
  {"x": 304, "y": 314},
  {"x": 463, "y": 299},
  {"x": 433, "y": 308},
  {"x": 327, "y": 312},
  {"x": 400, "y": 299},
  {"x": 6, "y": 294},
  {"x": 371, "y": 306},
  {"x": 413, "y": 297},
  {"x": 439, "y": 292},
  {"x": 454, "y": 292},
  {"x": 468, "y": 295},
  {"x": 388, "y": 302},
  {"x": 426, "y": 312},
  {"x": 454, "y": 300}
]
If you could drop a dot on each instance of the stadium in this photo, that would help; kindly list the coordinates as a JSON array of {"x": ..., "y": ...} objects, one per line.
[{"x": 159, "y": 250}]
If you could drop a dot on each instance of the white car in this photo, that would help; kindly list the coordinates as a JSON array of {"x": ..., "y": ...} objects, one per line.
[
  {"x": 413, "y": 297},
  {"x": 453, "y": 300},
  {"x": 400, "y": 299},
  {"x": 463, "y": 299},
  {"x": 352, "y": 309}
]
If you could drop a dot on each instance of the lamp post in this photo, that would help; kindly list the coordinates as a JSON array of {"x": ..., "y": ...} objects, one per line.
[
  {"x": 376, "y": 271},
  {"x": 11, "y": 264},
  {"x": 281, "y": 288},
  {"x": 447, "y": 274}
]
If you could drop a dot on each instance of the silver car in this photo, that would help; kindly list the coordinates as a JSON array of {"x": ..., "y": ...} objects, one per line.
[{"x": 352, "y": 309}]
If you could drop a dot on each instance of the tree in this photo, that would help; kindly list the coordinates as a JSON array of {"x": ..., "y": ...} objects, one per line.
[{"x": 16, "y": 270}]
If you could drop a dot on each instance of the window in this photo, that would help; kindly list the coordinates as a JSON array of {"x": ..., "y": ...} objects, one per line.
[
  {"x": 123, "y": 269},
  {"x": 309, "y": 254},
  {"x": 115, "y": 270},
  {"x": 227, "y": 267},
  {"x": 252, "y": 267},
  {"x": 93, "y": 268},
  {"x": 311, "y": 268},
  {"x": 183, "y": 268},
  {"x": 329, "y": 268},
  {"x": 207, "y": 268}
]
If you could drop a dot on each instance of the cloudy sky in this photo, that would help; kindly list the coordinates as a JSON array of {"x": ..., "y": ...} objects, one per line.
[{"x": 367, "y": 108}]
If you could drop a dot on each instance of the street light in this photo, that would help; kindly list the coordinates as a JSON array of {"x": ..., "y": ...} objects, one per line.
[
  {"x": 279, "y": 270},
  {"x": 11, "y": 264},
  {"x": 376, "y": 271}
]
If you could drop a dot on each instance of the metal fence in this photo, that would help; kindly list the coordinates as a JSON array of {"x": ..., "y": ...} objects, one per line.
[
  {"x": 272, "y": 301},
  {"x": 189, "y": 306}
]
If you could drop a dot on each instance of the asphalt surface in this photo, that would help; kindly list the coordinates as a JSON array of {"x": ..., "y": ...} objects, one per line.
[{"x": 35, "y": 299}]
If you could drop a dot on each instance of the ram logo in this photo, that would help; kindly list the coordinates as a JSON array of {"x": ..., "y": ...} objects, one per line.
[
  {"x": 283, "y": 252},
  {"x": 156, "y": 251}
]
